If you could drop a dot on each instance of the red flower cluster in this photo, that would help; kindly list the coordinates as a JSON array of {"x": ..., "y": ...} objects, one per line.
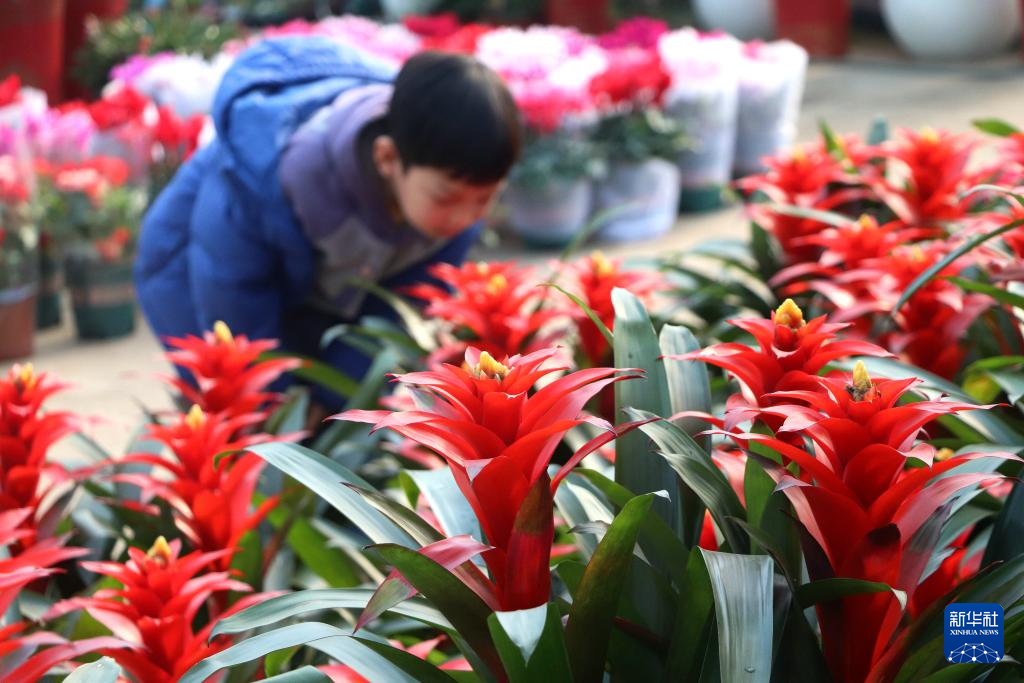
[
  {"x": 633, "y": 77},
  {"x": 177, "y": 137},
  {"x": 638, "y": 32},
  {"x": 92, "y": 177},
  {"x": 122, "y": 107},
  {"x": 13, "y": 189},
  {"x": 855, "y": 495},
  {"x": 152, "y": 614},
  {"x": 26, "y": 435},
  {"x": 498, "y": 439},
  {"x": 229, "y": 376},
  {"x": 594, "y": 278},
  {"x": 10, "y": 90},
  {"x": 495, "y": 307}
]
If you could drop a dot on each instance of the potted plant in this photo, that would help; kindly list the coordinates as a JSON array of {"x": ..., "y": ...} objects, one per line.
[
  {"x": 952, "y": 29},
  {"x": 17, "y": 264},
  {"x": 639, "y": 196},
  {"x": 704, "y": 99},
  {"x": 94, "y": 214},
  {"x": 821, "y": 27},
  {"x": 550, "y": 192},
  {"x": 771, "y": 87}
]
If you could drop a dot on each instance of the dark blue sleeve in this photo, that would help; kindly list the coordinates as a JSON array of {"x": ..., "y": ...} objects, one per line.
[{"x": 354, "y": 363}]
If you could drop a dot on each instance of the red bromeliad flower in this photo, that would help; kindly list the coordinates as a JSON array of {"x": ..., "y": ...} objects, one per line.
[
  {"x": 229, "y": 376},
  {"x": 26, "y": 435},
  {"x": 495, "y": 307},
  {"x": 153, "y": 614},
  {"x": 809, "y": 178},
  {"x": 498, "y": 439},
  {"x": 210, "y": 500},
  {"x": 789, "y": 353},
  {"x": 15, "y": 574},
  {"x": 928, "y": 171},
  {"x": 596, "y": 277},
  {"x": 858, "y": 502}
]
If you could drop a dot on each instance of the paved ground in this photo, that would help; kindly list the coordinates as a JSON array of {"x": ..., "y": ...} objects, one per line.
[{"x": 112, "y": 379}]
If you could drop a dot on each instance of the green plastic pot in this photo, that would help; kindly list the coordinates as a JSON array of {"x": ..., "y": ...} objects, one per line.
[{"x": 102, "y": 297}]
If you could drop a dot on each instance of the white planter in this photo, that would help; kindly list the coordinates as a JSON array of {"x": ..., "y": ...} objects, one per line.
[
  {"x": 549, "y": 216},
  {"x": 771, "y": 87},
  {"x": 745, "y": 19},
  {"x": 645, "y": 199},
  {"x": 394, "y": 10},
  {"x": 953, "y": 29}
]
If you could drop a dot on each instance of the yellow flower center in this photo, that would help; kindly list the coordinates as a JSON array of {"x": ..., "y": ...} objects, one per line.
[
  {"x": 483, "y": 268},
  {"x": 195, "y": 418},
  {"x": 862, "y": 385},
  {"x": 27, "y": 377},
  {"x": 866, "y": 222},
  {"x": 497, "y": 284},
  {"x": 223, "y": 333},
  {"x": 602, "y": 266},
  {"x": 488, "y": 367},
  {"x": 917, "y": 254},
  {"x": 789, "y": 314},
  {"x": 161, "y": 550},
  {"x": 929, "y": 134},
  {"x": 944, "y": 454}
]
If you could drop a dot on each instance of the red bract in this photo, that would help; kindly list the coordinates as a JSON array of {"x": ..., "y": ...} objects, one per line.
[
  {"x": 808, "y": 178},
  {"x": 496, "y": 307},
  {"x": 126, "y": 105},
  {"x": 229, "y": 376},
  {"x": 498, "y": 440},
  {"x": 26, "y": 435},
  {"x": 927, "y": 173},
  {"x": 595, "y": 277},
  {"x": 789, "y": 353},
  {"x": 633, "y": 77},
  {"x": 858, "y": 503},
  {"x": 463, "y": 41},
  {"x": 210, "y": 501},
  {"x": 436, "y": 26},
  {"x": 178, "y": 137},
  {"x": 154, "y": 611}
]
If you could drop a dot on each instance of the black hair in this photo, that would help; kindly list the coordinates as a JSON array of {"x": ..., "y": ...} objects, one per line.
[{"x": 451, "y": 112}]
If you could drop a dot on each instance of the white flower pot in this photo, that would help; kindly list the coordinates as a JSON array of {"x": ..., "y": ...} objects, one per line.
[
  {"x": 644, "y": 197},
  {"x": 953, "y": 29},
  {"x": 745, "y": 19},
  {"x": 394, "y": 10},
  {"x": 549, "y": 216}
]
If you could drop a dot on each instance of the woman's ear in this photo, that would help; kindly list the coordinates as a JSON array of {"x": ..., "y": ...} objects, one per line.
[{"x": 386, "y": 158}]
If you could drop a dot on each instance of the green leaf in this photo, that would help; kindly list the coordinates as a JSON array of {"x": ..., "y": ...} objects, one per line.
[
  {"x": 277, "y": 609},
  {"x": 694, "y": 625},
  {"x": 531, "y": 644},
  {"x": 306, "y": 674},
  {"x": 688, "y": 385},
  {"x": 417, "y": 326},
  {"x": 997, "y": 293},
  {"x": 103, "y": 670},
  {"x": 1007, "y": 539},
  {"x": 833, "y": 145},
  {"x": 656, "y": 537},
  {"x": 1010, "y": 382},
  {"x": 636, "y": 346},
  {"x": 291, "y": 416},
  {"x": 421, "y": 670},
  {"x": 365, "y": 396},
  {"x": 447, "y": 502},
  {"x": 700, "y": 474},
  {"x": 466, "y": 611},
  {"x": 968, "y": 246},
  {"x": 310, "y": 546},
  {"x": 593, "y": 609},
  {"x": 995, "y": 127},
  {"x": 326, "y": 478},
  {"x": 743, "y": 589},
  {"x": 827, "y": 217},
  {"x": 602, "y": 328},
  {"x": 318, "y": 372},
  {"x": 404, "y": 517},
  {"x": 276, "y": 661},
  {"x": 827, "y": 590},
  {"x": 331, "y": 640}
]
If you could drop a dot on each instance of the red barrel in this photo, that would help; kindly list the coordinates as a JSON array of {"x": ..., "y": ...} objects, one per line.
[
  {"x": 821, "y": 27},
  {"x": 32, "y": 43},
  {"x": 75, "y": 16}
]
